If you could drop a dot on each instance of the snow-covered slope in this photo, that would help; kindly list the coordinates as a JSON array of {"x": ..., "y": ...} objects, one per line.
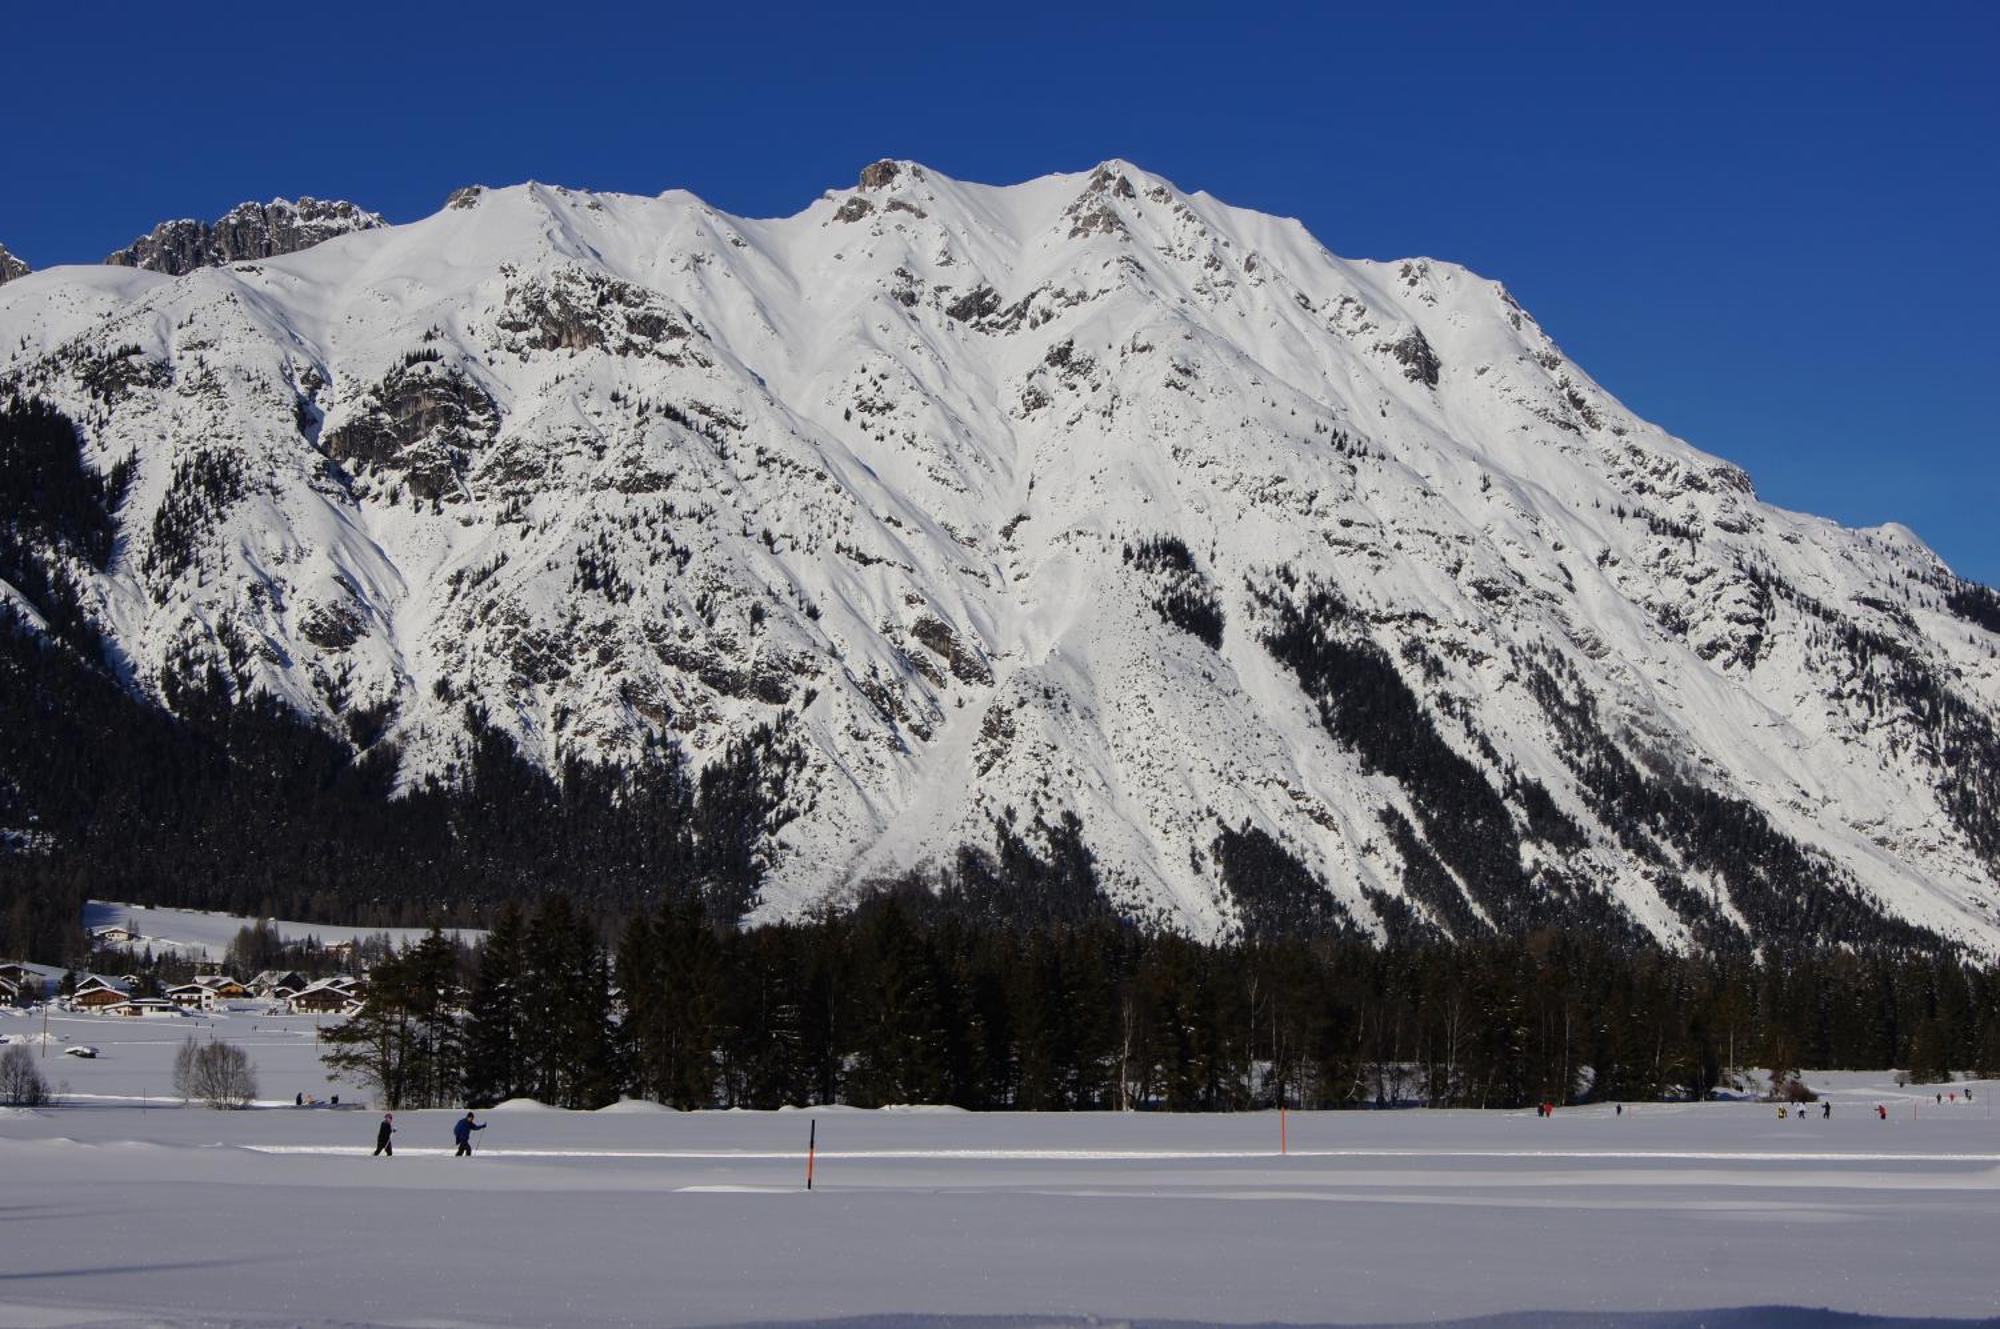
[
  {"x": 1082, "y": 495},
  {"x": 202, "y": 935}
]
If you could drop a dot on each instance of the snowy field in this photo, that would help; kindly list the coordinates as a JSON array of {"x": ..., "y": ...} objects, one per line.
[
  {"x": 116, "y": 1210},
  {"x": 199, "y": 934}
]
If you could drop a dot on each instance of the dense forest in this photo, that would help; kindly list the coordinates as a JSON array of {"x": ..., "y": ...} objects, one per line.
[{"x": 913, "y": 998}]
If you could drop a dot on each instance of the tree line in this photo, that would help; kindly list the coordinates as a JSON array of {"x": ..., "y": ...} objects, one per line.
[{"x": 910, "y": 998}]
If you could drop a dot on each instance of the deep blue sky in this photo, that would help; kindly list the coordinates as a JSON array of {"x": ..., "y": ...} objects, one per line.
[{"x": 1774, "y": 233}]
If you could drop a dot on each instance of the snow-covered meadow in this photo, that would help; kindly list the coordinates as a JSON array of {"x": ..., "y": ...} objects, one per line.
[
  {"x": 200, "y": 934},
  {"x": 118, "y": 1210}
]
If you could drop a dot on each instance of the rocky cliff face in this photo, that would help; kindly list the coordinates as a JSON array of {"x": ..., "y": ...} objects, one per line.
[
  {"x": 10, "y": 267},
  {"x": 1082, "y": 498},
  {"x": 246, "y": 231}
]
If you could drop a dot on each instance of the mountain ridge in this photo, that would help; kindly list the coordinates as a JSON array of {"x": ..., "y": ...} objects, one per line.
[{"x": 1085, "y": 497}]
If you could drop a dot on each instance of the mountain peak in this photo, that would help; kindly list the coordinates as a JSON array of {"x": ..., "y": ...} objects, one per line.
[
  {"x": 11, "y": 267},
  {"x": 1300, "y": 584},
  {"x": 246, "y": 231},
  {"x": 884, "y": 173}
]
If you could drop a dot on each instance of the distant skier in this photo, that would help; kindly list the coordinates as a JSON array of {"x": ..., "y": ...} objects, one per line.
[
  {"x": 1826, "y": 1110},
  {"x": 1881, "y": 1113},
  {"x": 382, "y": 1134},
  {"x": 461, "y": 1131}
]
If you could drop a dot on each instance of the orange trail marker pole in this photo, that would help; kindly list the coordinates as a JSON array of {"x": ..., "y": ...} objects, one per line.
[{"x": 812, "y": 1150}]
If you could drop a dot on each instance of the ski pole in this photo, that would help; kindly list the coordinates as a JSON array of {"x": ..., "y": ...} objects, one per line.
[{"x": 812, "y": 1149}]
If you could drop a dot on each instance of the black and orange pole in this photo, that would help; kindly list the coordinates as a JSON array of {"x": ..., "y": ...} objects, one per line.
[{"x": 812, "y": 1150}]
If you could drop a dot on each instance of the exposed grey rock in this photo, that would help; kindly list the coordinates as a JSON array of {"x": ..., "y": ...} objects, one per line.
[
  {"x": 423, "y": 423},
  {"x": 247, "y": 231},
  {"x": 11, "y": 267},
  {"x": 880, "y": 174},
  {"x": 1420, "y": 362},
  {"x": 465, "y": 197}
]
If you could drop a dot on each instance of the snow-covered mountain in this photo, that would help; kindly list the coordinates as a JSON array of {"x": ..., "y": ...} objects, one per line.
[
  {"x": 246, "y": 231},
  {"x": 10, "y": 266},
  {"x": 1283, "y": 573}
]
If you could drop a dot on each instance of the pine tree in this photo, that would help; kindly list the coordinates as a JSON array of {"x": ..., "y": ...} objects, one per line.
[
  {"x": 406, "y": 1039},
  {"x": 495, "y": 1067}
]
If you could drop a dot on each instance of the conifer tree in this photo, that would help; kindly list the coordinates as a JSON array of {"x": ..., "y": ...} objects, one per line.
[{"x": 495, "y": 1065}]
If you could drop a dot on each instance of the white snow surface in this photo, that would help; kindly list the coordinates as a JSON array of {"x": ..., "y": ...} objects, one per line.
[
  {"x": 123, "y": 1212},
  {"x": 868, "y": 473},
  {"x": 205, "y": 934}
]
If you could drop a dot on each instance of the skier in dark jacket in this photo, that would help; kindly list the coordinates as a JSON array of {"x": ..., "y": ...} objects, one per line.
[
  {"x": 461, "y": 1131},
  {"x": 387, "y": 1129}
]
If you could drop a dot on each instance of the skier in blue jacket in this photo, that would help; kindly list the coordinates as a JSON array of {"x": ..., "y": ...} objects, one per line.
[{"x": 461, "y": 1131}]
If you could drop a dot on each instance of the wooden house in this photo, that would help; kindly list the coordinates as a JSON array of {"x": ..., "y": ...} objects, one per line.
[
  {"x": 268, "y": 982},
  {"x": 99, "y": 997},
  {"x": 328, "y": 996}
]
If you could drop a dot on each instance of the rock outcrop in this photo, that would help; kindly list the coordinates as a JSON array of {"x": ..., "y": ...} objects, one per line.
[{"x": 246, "y": 231}]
